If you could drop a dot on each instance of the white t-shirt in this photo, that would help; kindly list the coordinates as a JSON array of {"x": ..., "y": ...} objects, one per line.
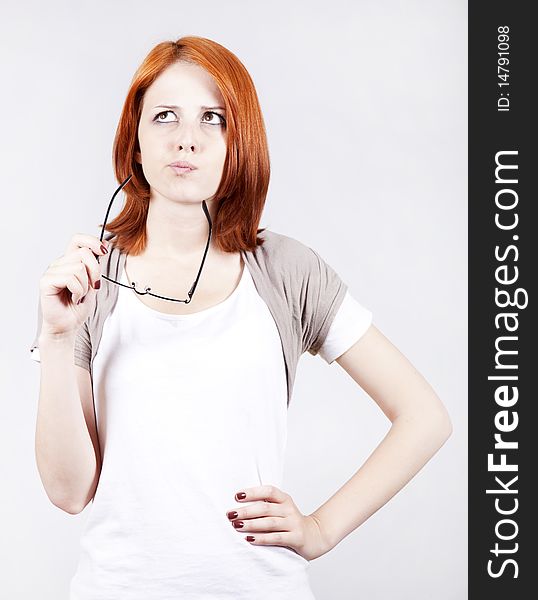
[{"x": 191, "y": 409}]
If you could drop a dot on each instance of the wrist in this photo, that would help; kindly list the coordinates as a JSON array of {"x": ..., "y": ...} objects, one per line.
[
  {"x": 326, "y": 540},
  {"x": 54, "y": 337}
]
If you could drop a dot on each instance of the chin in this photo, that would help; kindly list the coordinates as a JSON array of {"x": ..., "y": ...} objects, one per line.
[{"x": 188, "y": 198}]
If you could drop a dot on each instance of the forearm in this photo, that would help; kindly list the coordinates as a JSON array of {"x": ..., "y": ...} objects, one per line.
[
  {"x": 64, "y": 451},
  {"x": 407, "y": 447}
]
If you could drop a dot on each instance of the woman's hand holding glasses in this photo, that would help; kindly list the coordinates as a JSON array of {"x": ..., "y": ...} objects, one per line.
[{"x": 69, "y": 285}]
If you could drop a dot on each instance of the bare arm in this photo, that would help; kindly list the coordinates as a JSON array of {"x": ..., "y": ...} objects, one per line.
[
  {"x": 66, "y": 446},
  {"x": 420, "y": 426}
]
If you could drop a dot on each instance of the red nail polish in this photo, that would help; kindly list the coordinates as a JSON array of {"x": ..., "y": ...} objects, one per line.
[
  {"x": 238, "y": 524},
  {"x": 97, "y": 284},
  {"x": 104, "y": 249},
  {"x": 232, "y": 515},
  {"x": 241, "y": 496},
  {"x": 250, "y": 538}
]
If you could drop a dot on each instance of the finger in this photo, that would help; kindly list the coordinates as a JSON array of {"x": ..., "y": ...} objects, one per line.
[
  {"x": 267, "y": 493},
  {"x": 75, "y": 276},
  {"x": 58, "y": 280},
  {"x": 285, "y": 538},
  {"x": 83, "y": 240},
  {"x": 84, "y": 255},
  {"x": 66, "y": 259},
  {"x": 264, "y": 524},
  {"x": 257, "y": 510},
  {"x": 93, "y": 268}
]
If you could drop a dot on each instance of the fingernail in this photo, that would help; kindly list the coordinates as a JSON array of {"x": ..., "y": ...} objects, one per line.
[
  {"x": 232, "y": 515},
  {"x": 104, "y": 248},
  {"x": 238, "y": 524},
  {"x": 241, "y": 495},
  {"x": 97, "y": 284},
  {"x": 250, "y": 538}
]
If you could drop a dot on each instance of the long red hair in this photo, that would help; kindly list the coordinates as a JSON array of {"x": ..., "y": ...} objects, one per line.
[{"x": 240, "y": 197}]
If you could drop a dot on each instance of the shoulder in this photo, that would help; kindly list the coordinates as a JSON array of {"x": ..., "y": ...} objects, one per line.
[
  {"x": 280, "y": 249},
  {"x": 301, "y": 267}
]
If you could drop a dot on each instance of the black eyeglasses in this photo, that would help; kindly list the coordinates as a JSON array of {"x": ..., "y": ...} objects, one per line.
[{"x": 147, "y": 290}]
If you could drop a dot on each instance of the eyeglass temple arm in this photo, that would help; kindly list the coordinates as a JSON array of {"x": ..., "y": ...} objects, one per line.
[
  {"x": 206, "y": 212},
  {"x": 110, "y": 205}
]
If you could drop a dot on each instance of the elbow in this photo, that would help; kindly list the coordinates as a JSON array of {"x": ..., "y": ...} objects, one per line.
[
  {"x": 435, "y": 424},
  {"x": 436, "y": 428},
  {"x": 75, "y": 508},
  {"x": 449, "y": 426},
  {"x": 438, "y": 420},
  {"x": 441, "y": 426},
  {"x": 67, "y": 506},
  {"x": 70, "y": 509},
  {"x": 446, "y": 429},
  {"x": 445, "y": 426}
]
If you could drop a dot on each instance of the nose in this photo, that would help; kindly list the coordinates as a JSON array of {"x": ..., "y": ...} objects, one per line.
[{"x": 186, "y": 138}]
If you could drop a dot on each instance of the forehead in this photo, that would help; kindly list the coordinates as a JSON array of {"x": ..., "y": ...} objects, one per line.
[{"x": 183, "y": 84}]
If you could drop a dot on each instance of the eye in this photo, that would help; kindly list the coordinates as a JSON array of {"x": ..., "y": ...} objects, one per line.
[
  {"x": 221, "y": 121},
  {"x": 162, "y": 113}
]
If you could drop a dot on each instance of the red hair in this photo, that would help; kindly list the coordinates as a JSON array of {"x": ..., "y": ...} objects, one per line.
[{"x": 240, "y": 197}]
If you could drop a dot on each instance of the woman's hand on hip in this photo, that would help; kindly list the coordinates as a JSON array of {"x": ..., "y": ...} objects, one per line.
[{"x": 274, "y": 520}]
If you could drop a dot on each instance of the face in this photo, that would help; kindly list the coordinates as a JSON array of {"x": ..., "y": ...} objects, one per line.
[{"x": 182, "y": 131}]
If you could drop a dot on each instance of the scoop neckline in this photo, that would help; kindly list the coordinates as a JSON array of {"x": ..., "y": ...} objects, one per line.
[{"x": 191, "y": 316}]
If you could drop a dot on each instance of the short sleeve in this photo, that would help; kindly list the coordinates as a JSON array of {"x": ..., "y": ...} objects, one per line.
[
  {"x": 83, "y": 347},
  {"x": 349, "y": 324},
  {"x": 323, "y": 292}
]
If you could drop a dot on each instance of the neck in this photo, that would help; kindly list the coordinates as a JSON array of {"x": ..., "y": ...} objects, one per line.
[{"x": 177, "y": 230}]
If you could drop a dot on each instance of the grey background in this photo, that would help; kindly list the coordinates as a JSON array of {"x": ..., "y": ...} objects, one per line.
[{"x": 365, "y": 105}]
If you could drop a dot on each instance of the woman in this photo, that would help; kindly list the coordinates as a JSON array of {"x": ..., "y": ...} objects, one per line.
[{"x": 184, "y": 384}]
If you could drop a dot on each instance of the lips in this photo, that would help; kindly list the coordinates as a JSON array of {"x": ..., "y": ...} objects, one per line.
[
  {"x": 183, "y": 164},
  {"x": 182, "y": 170}
]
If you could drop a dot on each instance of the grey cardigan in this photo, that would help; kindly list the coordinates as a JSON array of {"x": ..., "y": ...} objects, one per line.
[{"x": 302, "y": 292}]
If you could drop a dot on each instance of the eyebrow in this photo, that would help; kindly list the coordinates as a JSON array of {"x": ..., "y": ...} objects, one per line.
[{"x": 174, "y": 106}]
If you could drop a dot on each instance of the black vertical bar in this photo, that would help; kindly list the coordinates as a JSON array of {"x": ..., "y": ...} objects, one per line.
[{"x": 503, "y": 268}]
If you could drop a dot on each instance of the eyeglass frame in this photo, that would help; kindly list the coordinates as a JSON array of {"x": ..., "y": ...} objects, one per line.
[{"x": 190, "y": 293}]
